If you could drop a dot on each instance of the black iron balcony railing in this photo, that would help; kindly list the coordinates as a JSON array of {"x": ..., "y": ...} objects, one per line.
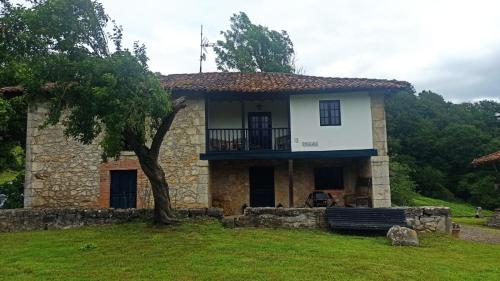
[{"x": 272, "y": 139}]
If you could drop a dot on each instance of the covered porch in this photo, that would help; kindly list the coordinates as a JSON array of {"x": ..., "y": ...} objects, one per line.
[{"x": 237, "y": 184}]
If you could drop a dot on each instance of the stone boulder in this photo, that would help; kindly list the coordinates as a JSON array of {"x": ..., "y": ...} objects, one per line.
[{"x": 402, "y": 236}]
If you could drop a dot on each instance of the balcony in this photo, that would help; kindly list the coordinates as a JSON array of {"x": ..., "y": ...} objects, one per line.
[{"x": 248, "y": 140}]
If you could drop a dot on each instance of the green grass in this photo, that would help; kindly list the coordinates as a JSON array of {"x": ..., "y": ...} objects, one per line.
[
  {"x": 457, "y": 209},
  {"x": 206, "y": 251},
  {"x": 470, "y": 220}
]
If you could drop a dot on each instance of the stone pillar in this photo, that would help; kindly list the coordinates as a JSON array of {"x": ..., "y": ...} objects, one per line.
[
  {"x": 381, "y": 191},
  {"x": 28, "y": 172},
  {"x": 378, "y": 124}
]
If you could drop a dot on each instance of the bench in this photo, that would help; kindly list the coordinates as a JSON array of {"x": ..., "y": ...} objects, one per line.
[{"x": 340, "y": 218}]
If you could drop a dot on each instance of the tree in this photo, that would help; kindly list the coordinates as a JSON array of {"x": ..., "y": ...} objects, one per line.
[
  {"x": 402, "y": 186},
  {"x": 439, "y": 139},
  {"x": 251, "y": 48},
  {"x": 57, "y": 51}
]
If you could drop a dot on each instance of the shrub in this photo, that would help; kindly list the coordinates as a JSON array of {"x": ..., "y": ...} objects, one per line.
[
  {"x": 402, "y": 186},
  {"x": 14, "y": 191},
  {"x": 481, "y": 186},
  {"x": 431, "y": 182}
]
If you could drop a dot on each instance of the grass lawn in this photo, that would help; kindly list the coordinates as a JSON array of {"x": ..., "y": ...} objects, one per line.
[
  {"x": 206, "y": 251},
  {"x": 470, "y": 220},
  {"x": 457, "y": 209}
]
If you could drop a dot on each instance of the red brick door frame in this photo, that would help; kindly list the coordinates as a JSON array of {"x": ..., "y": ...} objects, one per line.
[{"x": 124, "y": 163}]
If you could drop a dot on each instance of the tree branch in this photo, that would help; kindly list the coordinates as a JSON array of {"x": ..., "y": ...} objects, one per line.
[
  {"x": 131, "y": 138},
  {"x": 166, "y": 122},
  {"x": 47, "y": 87}
]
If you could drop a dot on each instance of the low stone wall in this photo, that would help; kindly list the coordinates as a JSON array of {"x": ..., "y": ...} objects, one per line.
[
  {"x": 42, "y": 219},
  {"x": 278, "y": 217},
  {"x": 422, "y": 219},
  {"x": 429, "y": 219},
  {"x": 494, "y": 221}
]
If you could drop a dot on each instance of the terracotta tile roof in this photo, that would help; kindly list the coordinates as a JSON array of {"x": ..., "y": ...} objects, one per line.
[
  {"x": 11, "y": 90},
  {"x": 261, "y": 82},
  {"x": 490, "y": 158}
]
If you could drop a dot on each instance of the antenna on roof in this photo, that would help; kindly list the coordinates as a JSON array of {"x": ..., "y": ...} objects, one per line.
[{"x": 204, "y": 43}]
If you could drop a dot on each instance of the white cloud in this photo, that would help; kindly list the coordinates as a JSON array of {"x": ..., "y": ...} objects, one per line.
[{"x": 437, "y": 45}]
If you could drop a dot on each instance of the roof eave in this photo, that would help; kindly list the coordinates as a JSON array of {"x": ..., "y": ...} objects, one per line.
[{"x": 177, "y": 91}]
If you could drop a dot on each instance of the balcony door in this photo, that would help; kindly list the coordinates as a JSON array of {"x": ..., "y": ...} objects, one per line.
[{"x": 259, "y": 130}]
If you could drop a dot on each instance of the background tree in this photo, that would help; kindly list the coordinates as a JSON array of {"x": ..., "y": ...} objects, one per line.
[
  {"x": 251, "y": 48},
  {"x": 438, "y": 140},
  {"x": 56, "y": 51},
  {"x": 402, "y": 186}
]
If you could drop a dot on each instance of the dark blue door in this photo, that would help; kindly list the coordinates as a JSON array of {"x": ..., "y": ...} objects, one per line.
[
  {"x": 261, "y": 186},
  {"x": 123, "y": 189},
  {"x": 260, "y": 130}
]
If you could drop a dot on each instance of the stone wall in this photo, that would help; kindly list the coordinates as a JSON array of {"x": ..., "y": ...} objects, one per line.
[
  {"x": 422, "y": 219},
  {"x": 180, "y": 157},
  {"x": 62, "y": 172},
  {"x": 42, "y": 219},
  {"x": 494, "y": 221},
  {"x": 429, "y": 219},
  {"x": 278, "y": 217}
]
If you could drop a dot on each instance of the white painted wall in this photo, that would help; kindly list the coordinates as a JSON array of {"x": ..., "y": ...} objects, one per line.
[
  {"x": 355, "y": 131},
  {"x": 227, "y": 114}
]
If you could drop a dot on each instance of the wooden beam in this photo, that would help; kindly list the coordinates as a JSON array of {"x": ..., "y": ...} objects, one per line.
[
  {"x": 290, "y": 183},
  {"x": 289, "y": 125},
  {"x": 242, "y": 114},
  {"x": 206, "y": 125},
  {"x": 287, "y": 154}
]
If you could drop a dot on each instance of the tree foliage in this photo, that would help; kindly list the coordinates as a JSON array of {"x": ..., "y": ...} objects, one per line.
[
  {"x": 251, "y": 48},
  {"x": 439, "y": 139},
  {"x": 57, "y": 51},
  {"x": 402, "y": 186},
  {"x": 14, "y": 192}
]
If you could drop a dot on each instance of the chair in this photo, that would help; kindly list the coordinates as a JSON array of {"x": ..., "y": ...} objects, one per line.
[
  {"x": 319, "y": 199},
  {"x": 361, "y": 196},
  {"x": 282, "y": 143}
]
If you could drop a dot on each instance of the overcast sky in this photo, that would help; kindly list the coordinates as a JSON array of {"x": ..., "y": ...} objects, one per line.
[{"x": 450, "y": 47}]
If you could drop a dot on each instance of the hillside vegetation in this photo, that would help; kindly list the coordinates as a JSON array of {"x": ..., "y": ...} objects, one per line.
[
  {"x": 457, "y": 209},
  {"x": 432, "y": 143}
]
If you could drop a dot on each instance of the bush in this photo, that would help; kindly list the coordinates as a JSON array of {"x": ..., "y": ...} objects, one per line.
[
  {"x": 14, "y": 191},
  {"x": 402, "y": 187},
  {"x": 431, "y": 182},
  {"x": 481, "y": 186}
]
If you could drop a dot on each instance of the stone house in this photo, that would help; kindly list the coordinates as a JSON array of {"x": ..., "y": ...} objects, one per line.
[{"x": 244, "y": 139}]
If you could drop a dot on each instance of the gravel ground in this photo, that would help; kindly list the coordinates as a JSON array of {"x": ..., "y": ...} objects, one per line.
[{"x": 479, "y": 234}]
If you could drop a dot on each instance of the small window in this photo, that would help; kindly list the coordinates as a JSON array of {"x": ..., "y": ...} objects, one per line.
[
  {"x": 329, "y": 112},
  {"x": 328, "y": 178}
]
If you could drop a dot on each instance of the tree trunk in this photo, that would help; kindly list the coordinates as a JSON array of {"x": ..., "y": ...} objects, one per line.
[
  {"x": 148, "y": 159},
  {"x": 163, "y": 213}
]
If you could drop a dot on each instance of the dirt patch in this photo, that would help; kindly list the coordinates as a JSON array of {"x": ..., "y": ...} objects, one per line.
[{"x": 479, "y": 234}]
